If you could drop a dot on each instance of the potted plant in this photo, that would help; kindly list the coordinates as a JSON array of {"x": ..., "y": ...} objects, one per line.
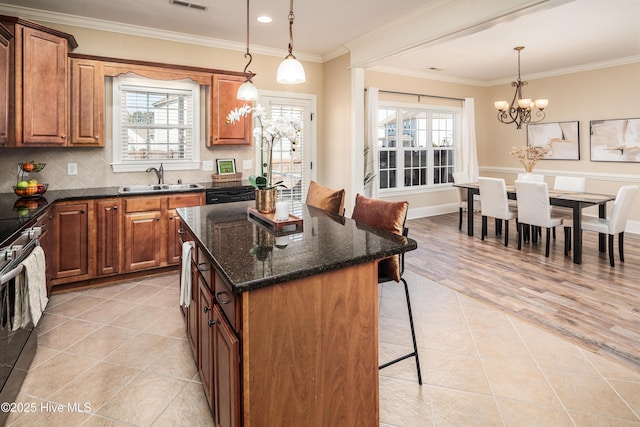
[{"x": 270, "y": 131}]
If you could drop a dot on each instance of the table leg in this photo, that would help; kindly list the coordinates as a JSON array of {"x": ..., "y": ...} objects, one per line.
[
  {"x": 577, "y": 235},
  {"x": 602, "y": 237},
  {"x": 469, "y": 212}
]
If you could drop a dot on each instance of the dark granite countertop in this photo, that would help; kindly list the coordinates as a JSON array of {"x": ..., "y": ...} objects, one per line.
[
  {"x": 16, "y": 212},
  {"x": 249, "y": 256}
]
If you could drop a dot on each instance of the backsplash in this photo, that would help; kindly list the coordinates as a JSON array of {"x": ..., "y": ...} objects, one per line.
[{"x": 94, "y": 167}]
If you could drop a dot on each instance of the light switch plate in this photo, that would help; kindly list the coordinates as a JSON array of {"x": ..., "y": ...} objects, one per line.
[
  {"x": 247, "y": 164},
  {"x": 72, "y": 169},
  {"x": 207, "y": 165}
]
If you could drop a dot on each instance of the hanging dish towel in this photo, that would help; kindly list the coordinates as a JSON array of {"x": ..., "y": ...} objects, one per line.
[
  {"x": 36, "y": 283},
  {"x": 185, "y": 274}
]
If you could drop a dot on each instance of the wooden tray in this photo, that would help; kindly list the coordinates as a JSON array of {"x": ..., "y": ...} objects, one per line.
[{"x": 291, "y": 225}]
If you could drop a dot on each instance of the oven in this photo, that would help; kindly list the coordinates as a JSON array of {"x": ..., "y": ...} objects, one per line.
[
  {"x": 18, "y": 342},
  {"x": 230, "y": 194}
]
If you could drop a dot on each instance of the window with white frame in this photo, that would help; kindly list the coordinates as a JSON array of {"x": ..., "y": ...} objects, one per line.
[
  {"x": 416, "y": 146},
  {"x": 155, "y": 121}
]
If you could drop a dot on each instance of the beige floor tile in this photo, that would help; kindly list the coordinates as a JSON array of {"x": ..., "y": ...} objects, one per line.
[
  {"x": 56, "y": 300},
  {"x": 461, "y": 408},
  {"x": 42, "y": 355},
  {"x": 189, "y": 408},
  {"x": 163, "y": 280},
  {"x": 526, "y": 414},
  {"x": 404, "y": 403},
  {"x": 139, "y": 318},
  {"x": 100, "y": 421},
  {"x": 137, "y": 294},
  {"x": 77, "y": 305},
  {"x": 49, "y": 321},
  {"x": 139, "y": 351},
  {"x": 406, "y": 369},
  {"x": 101, "y": 342},
  {"x": 109, "y": 291},
  {"x": 174, "y": 360},
  {"x": 106, "y": 311},
  {"x": 169, "y": 324},
  {"x": 610, "y": 369},
  {"x": 456, "y": 371},
  {"x": 168, "y": 297},
  {"x": 589, "y": 394},
  {"x": 50, "y": 414},
  {"x": 67, "y": 334},
  {"x": 591, "y": 420},
  {"x": 449, "y": 338},
  {"x": 143, "y": 399},
  {"x": 630, "y": 393},
  {"x": 398, "y": 331}
]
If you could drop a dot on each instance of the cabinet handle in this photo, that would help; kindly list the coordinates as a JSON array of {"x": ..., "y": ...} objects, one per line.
[
  {"x": 96, "y": 137},
  {"x": 202, "y": 269},
  {"x": 115, "y": 208},
  {"x": 206, "y": 309},
  {"x": 157, "y": 218},
  {"x": 181, "y": 231},
  {"x": 220, "y": 300},
  {"x": 82, "y": 211},
  {"x": 63, "y": 136},
  {"x": 211, "y": 322},
  {"x": 171, "y": 217}
]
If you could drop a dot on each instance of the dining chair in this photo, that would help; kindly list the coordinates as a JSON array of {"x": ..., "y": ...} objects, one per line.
[
  {"x": 495, "y": 204},
  {"x": 530, "y": 177},
  {"x": 534, "y": 209},
  {"x": 463, "y": 178},
  {"x": 611, "y": 226},
  {"x": 567, "y": 183},
  {"x": 325, "y": 198},
  {"x": 389, "y": 216}
]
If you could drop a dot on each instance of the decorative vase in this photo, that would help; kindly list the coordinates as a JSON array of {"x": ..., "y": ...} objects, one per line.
[{"x": 266, "y": 200}]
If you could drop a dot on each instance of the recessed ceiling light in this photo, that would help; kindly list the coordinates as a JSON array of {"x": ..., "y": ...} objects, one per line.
[
  {"x": 264, "y": 19},
  {"x": 435, "y": 69}
]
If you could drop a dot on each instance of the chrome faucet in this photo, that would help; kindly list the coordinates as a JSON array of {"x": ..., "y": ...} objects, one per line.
[{"x": 159, "y": 173}]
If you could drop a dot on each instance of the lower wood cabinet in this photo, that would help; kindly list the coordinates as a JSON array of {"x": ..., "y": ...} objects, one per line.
[
  {"x": 226, "y": 365},
  {"x": 108, "y": 236},
  {"x": 142, "y": 240},
  {"x": 70, "y": 240},
  {"x": 206, "y": 341}
]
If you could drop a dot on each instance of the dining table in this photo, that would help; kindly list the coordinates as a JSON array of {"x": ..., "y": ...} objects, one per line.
[{"x": 576, "y": 201}]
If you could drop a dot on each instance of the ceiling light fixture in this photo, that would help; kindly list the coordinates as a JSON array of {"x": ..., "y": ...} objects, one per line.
[
  {"x": 519, "y": 111},
  {"x": 247, "y": 91},
  {"x": 290, "y": 70}
]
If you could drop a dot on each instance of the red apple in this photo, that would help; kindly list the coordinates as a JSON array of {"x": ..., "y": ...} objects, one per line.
[{"x": 41, "y": 189}]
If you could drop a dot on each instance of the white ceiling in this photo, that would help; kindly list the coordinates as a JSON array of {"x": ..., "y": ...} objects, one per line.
[{"x": 562, "y": 36}]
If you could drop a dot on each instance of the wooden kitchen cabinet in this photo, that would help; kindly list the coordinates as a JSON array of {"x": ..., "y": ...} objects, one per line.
[
  {"x": 108, "y": 236},
  {"x": 206, "y": 340},
  {"x": 224, "y": 98},
  {"x": 38, "y": 112},
  {"x": 43, "y": 221},
  {"x": 70, "y": 241},
  {"x": 142, "y": 232},
  {"x": 87, "y": 103},
  {"x": 5, "y": 65},
  {"x": 174, "y": 245},
  {"x": 226, "y": 365}
]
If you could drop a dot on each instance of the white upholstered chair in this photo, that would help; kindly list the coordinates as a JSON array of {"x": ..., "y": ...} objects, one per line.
[
  {"x": 493, "y": 197},
  {"x": 530, "y": 177},
  {"x": 613, "y": 225},
  {"x": 534, "y": 209},
  {"x": 463, "y": 178},
  {"x": 570, "y": 183}
]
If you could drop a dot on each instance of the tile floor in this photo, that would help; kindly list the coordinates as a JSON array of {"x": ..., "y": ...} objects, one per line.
[{"x": 122, "y": 351}]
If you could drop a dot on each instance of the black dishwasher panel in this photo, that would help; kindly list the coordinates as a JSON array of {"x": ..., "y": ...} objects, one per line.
[{"x": 230, "y": 194}]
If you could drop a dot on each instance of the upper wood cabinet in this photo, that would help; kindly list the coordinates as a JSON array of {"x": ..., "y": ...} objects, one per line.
[
  {"x": 87, "y": 103},
  {"x": 224, "y": 89},
  {"x": 5, "y": 65},
  {"x": 38, "y": 84}
]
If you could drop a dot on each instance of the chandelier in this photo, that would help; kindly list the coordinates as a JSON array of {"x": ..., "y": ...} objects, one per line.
[{"x": 520, "y": 109}]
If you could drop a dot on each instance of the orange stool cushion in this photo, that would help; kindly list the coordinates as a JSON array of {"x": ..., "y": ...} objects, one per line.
[
  {"x": 389, "y": 216},
  {"x": 325, "y": 198}
]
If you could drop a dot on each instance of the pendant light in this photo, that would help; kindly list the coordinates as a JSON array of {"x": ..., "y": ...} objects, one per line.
[
  {"x": 290, "y": 70},
  {"x": 247, "y": 91}
]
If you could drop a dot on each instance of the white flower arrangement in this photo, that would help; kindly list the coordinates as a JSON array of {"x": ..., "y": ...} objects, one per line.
[{"x": 270, "y": 131}]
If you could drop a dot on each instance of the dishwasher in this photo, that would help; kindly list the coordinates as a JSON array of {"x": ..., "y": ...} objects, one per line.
[
  {"x": 17, "y": 344},
  {"x": 236, "y": 193}
]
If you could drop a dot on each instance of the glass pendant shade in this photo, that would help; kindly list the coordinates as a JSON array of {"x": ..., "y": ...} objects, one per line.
[
  {"x": 291, "y": 71},
  {"x": 247, "y": 91}
]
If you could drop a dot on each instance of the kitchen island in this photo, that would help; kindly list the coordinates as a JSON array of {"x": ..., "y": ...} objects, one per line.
[{"x": 284, "y": 325}]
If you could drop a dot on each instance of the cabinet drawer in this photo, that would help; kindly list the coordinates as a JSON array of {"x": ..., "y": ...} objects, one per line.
[
  {"x": 205, "y": 268},
  {"x": 142, "y": 204},
  {"x": 185, "y": 200},
  {"x": 227, "y": 301}
]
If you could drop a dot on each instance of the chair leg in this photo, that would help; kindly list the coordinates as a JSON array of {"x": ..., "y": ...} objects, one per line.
[
  {"x": 484, "y": 227},
  {"x": 611, "y": 261},
  {"x": 498, "y": 223},
  {"x": 413, "y": 337},
  {"x": 546, "y": 251},
  {"x": 554, "y": 233},
  {"x": 620, "y": 243},
  {"x": 567, "y": 240},
  {"x": 460, "y": 220},
  {"x": 506, "y": 232},
  {"x": 520, "y": 228}
]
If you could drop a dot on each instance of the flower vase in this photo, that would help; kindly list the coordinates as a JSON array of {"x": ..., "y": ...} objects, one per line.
[{"x": 266, "y": 200}]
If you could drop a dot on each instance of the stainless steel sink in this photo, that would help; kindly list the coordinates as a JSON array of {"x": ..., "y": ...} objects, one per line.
[{"x": 128, "y": 189}]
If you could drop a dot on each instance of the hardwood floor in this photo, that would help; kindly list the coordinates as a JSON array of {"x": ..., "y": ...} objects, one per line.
[{"x": 592, "y": 304}]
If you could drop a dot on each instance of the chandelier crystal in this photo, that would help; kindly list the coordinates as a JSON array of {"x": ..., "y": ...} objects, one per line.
[
  {"x": 247, "y": 91},
  {"x": 520, "y": 109},
  {"x": 290, "y": 70}
]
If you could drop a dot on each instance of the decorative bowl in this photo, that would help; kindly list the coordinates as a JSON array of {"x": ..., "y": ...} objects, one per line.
[
  {"x": 35, "y": 167},
  {"x": 31, "y": 191}
]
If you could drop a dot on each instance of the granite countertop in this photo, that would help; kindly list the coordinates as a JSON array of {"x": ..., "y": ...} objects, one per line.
[
  {"x": 250, "y": 256},
  {"x": 16, "y": 212}
]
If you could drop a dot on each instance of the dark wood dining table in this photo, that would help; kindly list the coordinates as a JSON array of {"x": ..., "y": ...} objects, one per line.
[{"x": 568, "y": 199}]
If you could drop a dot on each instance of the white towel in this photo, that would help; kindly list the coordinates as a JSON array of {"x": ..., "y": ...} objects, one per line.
[
  {"x": 35, "y": 275},
  {"x": 185, "y": 274}
]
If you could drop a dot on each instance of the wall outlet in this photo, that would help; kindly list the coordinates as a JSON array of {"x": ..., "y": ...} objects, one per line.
[
  {"x": 72, "y": 169},
  {"x": 247, "y": 164},
  {"x": 207, "y": 165}
]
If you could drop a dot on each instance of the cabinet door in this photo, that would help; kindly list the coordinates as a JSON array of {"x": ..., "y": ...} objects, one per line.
[
  {"x": 205, "y": 342},
  {"x": 193, "y": 314},
  {"x": 5, "y": 64},
  {"x": 226, "y": 372},
  {"x": 44, "y": 222},
  {"x": 87, "y": 103},
  {"x": 224, "y": 98},
  {"x": 174, "y": 244},
  {"x": 108, "y": 231},
  {"x": 70, "y": 240},
  {"x": 44, "y": 89},
  {"x": 142, "y": 240}
]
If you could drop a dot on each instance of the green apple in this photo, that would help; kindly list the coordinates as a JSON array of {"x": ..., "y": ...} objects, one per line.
[
  {"x": 22, "y": 184},
  {"x": 32, "y": 182}
]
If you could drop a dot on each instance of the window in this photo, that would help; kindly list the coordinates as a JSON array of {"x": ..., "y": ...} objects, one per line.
[
  {"x": 416, "y": 146},
  {"x": 155, "y": 121}
]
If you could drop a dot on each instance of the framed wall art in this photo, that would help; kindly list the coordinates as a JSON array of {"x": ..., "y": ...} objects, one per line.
[
  {"x": 226, "y": 166},
  {"x": 616, "y": 140},
  {"x": 562, "y": 138}
]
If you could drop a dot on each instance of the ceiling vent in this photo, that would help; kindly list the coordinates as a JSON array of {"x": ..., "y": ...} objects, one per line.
[{"x": 189, "y": 5}]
